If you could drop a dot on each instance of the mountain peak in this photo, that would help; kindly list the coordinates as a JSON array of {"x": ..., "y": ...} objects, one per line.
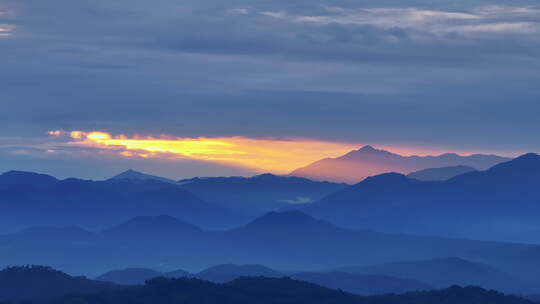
[
  {"x": 367, "y": 148},
  {"x": 265, "y": 176},
  {"x": 387, "y": 179},
  {"x": 367, "y": 161},
  {"x": 528, "y": 157},
  {"x": 136, "y": 175},
  {"x": 290, "y": 219},
  {"x": 529, "y": 162}
]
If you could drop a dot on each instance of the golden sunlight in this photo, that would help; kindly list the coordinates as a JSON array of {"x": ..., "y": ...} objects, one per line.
[{"x": 266, "y": 155}]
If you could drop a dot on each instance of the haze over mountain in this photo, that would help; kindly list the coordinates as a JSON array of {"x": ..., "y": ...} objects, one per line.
[
  {"x": 443, "y": 273},
  {"x": 30, "y": 199},
  {"x": 354, "y": 283},
  {"x": 440, "y": 174},
  {"x": 499, "y": 203},
  {"x": 38, "y": 284},
  {"x": 258, "y": 194},
  {"x": 367, "y": 161},
  {"x": 278, "y": 240}
]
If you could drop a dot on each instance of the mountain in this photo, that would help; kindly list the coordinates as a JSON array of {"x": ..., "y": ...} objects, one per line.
[
  {"x": 39, "y": 283},
  {"x": 157, "y": 227},
  {"x": 497, "y": 204},
  {"x": 440, "y": 174},
  {"x": 442, "y": 273},
  {"x": 258, "y": 194},
  {"x": 99, "y": 204},
  {"x": 367, "y": 161},
  {"x": 278, "y": 240},
  {"x": 361, "y": 284},
  {"x": 354, "y": 283},
  {"x": 20, "y": 178},
  {"x": 132, "y": 174},
  {"x": 228, "y": 272},
  {"x": 137, "y": 276},
  {"x": 247, "y": 290}
]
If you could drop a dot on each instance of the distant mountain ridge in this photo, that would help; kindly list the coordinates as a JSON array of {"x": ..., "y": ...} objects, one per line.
[
  {"x": 31, "y": 199},
  {"x": 367, "y": 161},
  {"x": 259, "y": 194},
  {"x": 132, "y": 174},
  {"x": 22, "y": 178},
  {"x": 440, "y": 174},
  {"x": 499, "y": 203},
  {"x": 354, "y": 283}
]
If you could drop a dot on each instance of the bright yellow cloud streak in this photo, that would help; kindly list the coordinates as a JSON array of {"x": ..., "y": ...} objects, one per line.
[{"x": 268, "y": 155}]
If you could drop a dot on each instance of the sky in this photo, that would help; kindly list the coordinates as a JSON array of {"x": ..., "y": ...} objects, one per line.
[{"x": 276, "y": 84}]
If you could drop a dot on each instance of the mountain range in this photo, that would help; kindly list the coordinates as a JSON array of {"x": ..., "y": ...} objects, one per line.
[
  {"x": 367, "y": 161},
  {"x": 32, "y": 199},
  {"x": 440, "y": 174},
  {"x": 247, "y": 290},
  {"x": 498, "y": 204},
  {"x": 280, "y": 240},
  {"x": 132, "y": 174},
  {"x": 259, "y": 194},
  {"x": 354, "y": 283},
  {"x": 38, "y": 284}
]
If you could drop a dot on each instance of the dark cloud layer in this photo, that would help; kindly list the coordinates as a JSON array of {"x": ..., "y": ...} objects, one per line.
[{"x": 456, "y": 74}]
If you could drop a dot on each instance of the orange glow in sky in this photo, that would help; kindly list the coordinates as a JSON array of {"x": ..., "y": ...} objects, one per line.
[{"x": 268, "y": 155}]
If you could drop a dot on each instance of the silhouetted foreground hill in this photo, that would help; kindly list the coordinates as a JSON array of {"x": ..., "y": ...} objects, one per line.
[
  {"x": 41, "y": 283},
  {"x": 137, "y": 276},
  {"x": 228, "y": 272},
  {"x": 367, "y": 161},
  {"x": 500, "y": 203},
  {"x": 440, "y": 174},
  {"x": 258, "y": 194},
  {"x": 361, "y": 284},
  {"x": 354, "y": 283},
  {"x": 262, "y": 290}
]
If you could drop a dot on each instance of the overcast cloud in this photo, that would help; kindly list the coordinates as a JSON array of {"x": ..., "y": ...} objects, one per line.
[{"x": 462, "y": 75}]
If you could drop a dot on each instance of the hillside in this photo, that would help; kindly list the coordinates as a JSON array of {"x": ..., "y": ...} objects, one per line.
[
  {"x": 497, "y": 204},
  {"x": 259, "y": 194},
  {"x": 262, "y": 290},
  {"x": 39, "y": 283},
  {"x": 355, "y": 166}
]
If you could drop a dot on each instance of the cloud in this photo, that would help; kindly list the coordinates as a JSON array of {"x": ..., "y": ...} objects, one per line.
[
  {"x": 461, "y": 75},
  {"x": 258, "y": 154}
]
